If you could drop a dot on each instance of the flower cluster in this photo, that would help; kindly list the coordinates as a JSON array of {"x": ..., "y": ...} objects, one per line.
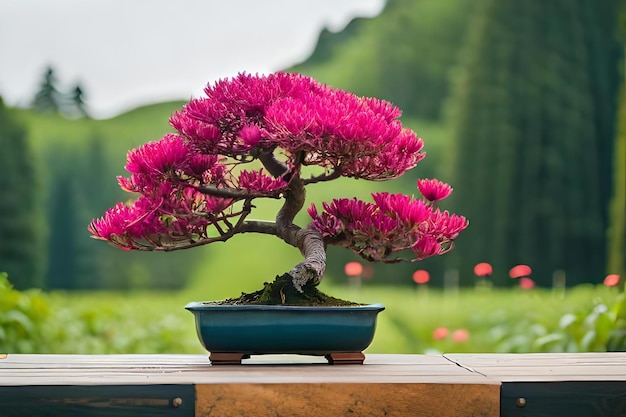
[
  {"x": 173, "y": 210},
  {"x": 335, "y": 129},
  {"x": 393, "y": 223},
  {"x": 193, "y": 191}
]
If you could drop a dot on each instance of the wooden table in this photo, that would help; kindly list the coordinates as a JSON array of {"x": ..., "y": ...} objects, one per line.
[{"x": 537, "y": 385}]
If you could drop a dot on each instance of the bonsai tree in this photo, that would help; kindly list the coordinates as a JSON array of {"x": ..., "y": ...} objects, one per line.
[{"x": 250, "y": 138}]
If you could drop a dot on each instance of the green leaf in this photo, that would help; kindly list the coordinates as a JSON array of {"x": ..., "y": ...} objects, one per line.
[
  {"x": 542, "y": 343},
  {"x": 16, "y": 316},
  {"x": 567, "y": 320}
]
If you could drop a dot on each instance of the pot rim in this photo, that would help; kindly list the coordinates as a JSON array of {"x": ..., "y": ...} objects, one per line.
[{"x": 205, "y": 305}]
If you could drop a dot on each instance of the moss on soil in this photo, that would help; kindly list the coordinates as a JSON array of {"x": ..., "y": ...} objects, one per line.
[{"x": 282, "y": 292}]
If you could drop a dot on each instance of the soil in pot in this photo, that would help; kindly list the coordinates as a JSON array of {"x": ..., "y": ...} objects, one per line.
[{"x": 282, "y": 292}]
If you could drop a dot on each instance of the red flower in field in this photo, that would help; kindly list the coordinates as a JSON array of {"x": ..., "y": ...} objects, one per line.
[
  {"x": 421, "y": 276},
  {"x": 519, "y": 271},
  {"x": 353, "y": 269},
  {"x": 483, "y": 269},
  {"x": 440, "y": 333},
  {"x": 433, "y": 189},
  {"x": 611, "y": 280},
  {"x": 460, "y": 336},
  {"x": 526, "y": 283}
]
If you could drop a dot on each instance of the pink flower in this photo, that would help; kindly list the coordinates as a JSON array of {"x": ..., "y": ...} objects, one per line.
[
  {"x": 199, "y": 164},
  {"x": 158, "y": 157},
  {"x": 257, "y": 181},
  {"x": 440, "y": 333},
  {"x": 460, "y": 336},
  {"x": 425, "y": 247},
  {"x": 433, "y": 189},
  {"x": 122, "y": 223},
  {"x": 250, "y": 135},
  {"x": 611, "y": 280},
  {"x": 421, "y": 276},
  {"x": 520, "y": 271},
  {"x": 526, "y": 283},
  {"x": 400, "y": 206},
  {"x": 483, "y": 269},
  {"x": 353, "y": 269},
  {"x": 154, "y": 162}
]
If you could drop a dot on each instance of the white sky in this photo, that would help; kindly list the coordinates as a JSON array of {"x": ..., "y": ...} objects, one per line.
[{"x": 127, "y": 53}]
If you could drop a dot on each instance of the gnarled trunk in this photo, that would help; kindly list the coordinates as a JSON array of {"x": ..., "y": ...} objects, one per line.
[{"x": 309, "y": 241}]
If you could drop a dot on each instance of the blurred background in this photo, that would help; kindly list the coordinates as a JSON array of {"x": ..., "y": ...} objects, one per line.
[{"x": 521, "y": 106}]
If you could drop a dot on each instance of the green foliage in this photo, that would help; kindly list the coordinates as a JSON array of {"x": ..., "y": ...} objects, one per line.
[
  {"x": 617, "y": 337},
  {"x": 35, "y": 322},
  {"x": 21, "y": 235},
  {"x": 23, "y": 316},
  {"x": 533, "y": 142},
  {"x": 584, "y": 319},
  {"x": 115, "y": 323}
]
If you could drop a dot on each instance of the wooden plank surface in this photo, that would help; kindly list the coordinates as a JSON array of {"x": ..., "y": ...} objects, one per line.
[
  {"x": 196, "y": 369},
  {"x": 373, "y": 399},
  {"x": 398, "y": 369},
  {"x": 413, "y": 385},
  {"x": 546, "y": 367}
]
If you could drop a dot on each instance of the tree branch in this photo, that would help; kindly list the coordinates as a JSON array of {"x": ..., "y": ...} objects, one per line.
[
  {"x": 259, "y": 226},
  {"x": 275, "y": 167},
  {"x": 336, "y": 173},
  {"x": 236, "y": 193}
]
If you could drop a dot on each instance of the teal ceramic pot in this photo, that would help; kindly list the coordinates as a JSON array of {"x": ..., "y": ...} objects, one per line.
[{"x": 277, "y": 329}]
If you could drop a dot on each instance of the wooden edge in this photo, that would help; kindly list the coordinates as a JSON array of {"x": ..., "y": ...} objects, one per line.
[{"x": 314, "y": 400}]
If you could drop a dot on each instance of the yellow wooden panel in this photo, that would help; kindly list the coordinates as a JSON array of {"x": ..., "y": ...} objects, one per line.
[{"x": 316, "y": 400}]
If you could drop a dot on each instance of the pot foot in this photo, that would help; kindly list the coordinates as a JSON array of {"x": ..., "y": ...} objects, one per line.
[
  {"x": 227, "y": 358},
  {"x": 351, "y": 358}
]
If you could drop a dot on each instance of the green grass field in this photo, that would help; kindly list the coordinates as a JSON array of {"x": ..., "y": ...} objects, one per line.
[{"x": 500, "y": 320}]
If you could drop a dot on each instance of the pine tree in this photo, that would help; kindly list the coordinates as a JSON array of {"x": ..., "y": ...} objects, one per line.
[
  {"x": 48, "y": 98},
  {"x": 535, "y": 110},
  {"x": 74, "y": 103},
  {"x": 21, "y": 254}
]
